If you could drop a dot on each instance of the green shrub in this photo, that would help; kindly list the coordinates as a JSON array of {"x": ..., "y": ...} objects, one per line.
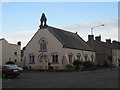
[
  {"x": 69, "y": 67},
  {"x": 76, "y": 64},
  {"x": 88, "y": 64}
]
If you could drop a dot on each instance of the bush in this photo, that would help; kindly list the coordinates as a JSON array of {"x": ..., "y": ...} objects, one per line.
[
  {"x": 77, "y": 64},
  {"x": 69, "y": 67},
  {"x": 88, "y": 64},
  {"x": 105, "y": 64},
  {"x": 50, "y": 68},
  {"x": 99, "y": 66},
  {"x": 25, "y": 67}
]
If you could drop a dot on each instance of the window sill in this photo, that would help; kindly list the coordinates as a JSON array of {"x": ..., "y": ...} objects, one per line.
[
  {"x": 31, "y": 63},
  {"x": 55, "y": 63},
  {"x": 42, "y": 50}
]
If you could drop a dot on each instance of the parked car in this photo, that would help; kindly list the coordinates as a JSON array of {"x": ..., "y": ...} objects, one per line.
[
  {"x": 8, "y": 70},
  {"x": 14, "y": 65},
  {"x": 21, "y": 69}
]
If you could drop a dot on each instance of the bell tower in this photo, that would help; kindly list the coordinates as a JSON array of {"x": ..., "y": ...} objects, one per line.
[{"x": 43, "y": 21}]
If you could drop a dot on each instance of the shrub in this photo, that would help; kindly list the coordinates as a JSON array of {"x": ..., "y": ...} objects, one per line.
[
  {"x": 50, "y": 68},
  {"x": 105, "y": 64},
  {"x": 88, "y": 64},
  {"x": 76, "y": 64},
  {"x": 25, "y": 67},
  {"x": 69, "y": 67}
]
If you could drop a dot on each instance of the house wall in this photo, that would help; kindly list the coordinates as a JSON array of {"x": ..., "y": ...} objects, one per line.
[
  {"x": 8, "y": 51},
  {"x": 102, "y": 50},
  {"x": 116, "y": 57}
]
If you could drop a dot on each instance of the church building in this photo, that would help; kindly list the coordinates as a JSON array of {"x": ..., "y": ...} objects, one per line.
[{"x": 55, "y": 47}]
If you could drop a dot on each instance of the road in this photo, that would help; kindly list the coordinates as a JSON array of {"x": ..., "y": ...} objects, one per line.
[{"x": 86, "y": 79}]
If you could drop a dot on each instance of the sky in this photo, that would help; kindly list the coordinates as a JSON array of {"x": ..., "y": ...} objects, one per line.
[{"x": 21, "y": 20}]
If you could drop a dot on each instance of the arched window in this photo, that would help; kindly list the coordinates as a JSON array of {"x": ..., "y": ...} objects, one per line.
[
  {"x": 78, "y": 56},
  {"x": 92, "y": 57},
  {"x": 55, "y": 58},
  {"x": 43, "y": 45},
  {"x": 70, "y": 57},
  {"x": 31, "y": 59},
  {"x": 86, "y": 57}
]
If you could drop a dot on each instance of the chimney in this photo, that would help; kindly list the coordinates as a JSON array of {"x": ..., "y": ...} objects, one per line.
[
  {"x": 90, "y": 37},
  {"x": 108, "y": 41},
  {"x": 19, "y": 43},
  {"x": 98, "y": 38}
]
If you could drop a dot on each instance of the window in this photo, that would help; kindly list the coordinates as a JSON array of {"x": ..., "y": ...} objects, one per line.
[
  {"x": 55, "y": 58},
  {"x": 70, "y": 55},
  {"x": 70, "y": 59},
  {"x": 15, "y": 60},
  {"x": 43, "y": 46},
  {"x": 31, "y": 59},
  {"x": 92, "y": 57},
  {"x": 15, "y": 53},
  {"x": 78, "y": 56},
  {"x": 86, "y": 57}
]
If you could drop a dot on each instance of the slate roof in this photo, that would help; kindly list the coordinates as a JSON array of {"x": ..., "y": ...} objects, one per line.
[{"x": 69, "y": 39}]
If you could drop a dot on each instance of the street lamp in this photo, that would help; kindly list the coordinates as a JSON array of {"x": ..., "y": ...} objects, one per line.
[
  {"x": 92, "y": 40},
  {"x": 95, "y": 27}
]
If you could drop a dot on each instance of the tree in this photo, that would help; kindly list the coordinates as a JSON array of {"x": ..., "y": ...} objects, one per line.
[{"x": 76, "y": 64}]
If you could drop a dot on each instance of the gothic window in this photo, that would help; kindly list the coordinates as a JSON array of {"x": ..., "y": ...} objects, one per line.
[
  {"x": 86, "y": 57},
  {"x": 92, "y": 57},
  {"x": 70, "y": 58},
  {"x": 43, "y": 44},
  {"x": 55, "y": 58},
  {"x": 78, "y": 56},
  {"x": 31, "y": 59}
]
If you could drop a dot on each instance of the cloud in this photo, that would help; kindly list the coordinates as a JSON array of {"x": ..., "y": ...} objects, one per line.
[
  {"x": 110, "y": 30},
  {"x": 24, "y": 36}
]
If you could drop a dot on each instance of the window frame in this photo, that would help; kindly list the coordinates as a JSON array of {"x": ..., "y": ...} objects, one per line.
[
  {"x": 43, "y": 45},
  {"x": 55, "y": 58},
  {"x": 31, "y": 59}
]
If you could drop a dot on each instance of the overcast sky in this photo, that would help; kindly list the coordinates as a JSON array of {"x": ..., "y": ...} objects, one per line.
[{"x": 20, "y": 20}]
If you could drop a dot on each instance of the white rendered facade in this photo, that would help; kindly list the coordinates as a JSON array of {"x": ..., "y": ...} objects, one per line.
[
  {"x": 9, "y": 52},
  {"x": 54, "y": 46}
]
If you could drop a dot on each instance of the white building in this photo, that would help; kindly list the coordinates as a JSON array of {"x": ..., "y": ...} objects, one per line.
[
  {"x": 56, "y": 47},
  {"x": 10, "y": 52}
]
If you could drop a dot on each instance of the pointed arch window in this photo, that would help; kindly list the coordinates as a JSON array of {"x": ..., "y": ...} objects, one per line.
[
  {"x": 31, "y": 59},
  {"x": 78, "y": 56},
  {"x": 70, "y": 56},
  {"x": 43, "y": 45},
  {"x": 86, "y": 57},
  {"x": 55, "y": 58}
]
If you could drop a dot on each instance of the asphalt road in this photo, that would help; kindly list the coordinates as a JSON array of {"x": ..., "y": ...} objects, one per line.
[{"x": 86, "y": 79}]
